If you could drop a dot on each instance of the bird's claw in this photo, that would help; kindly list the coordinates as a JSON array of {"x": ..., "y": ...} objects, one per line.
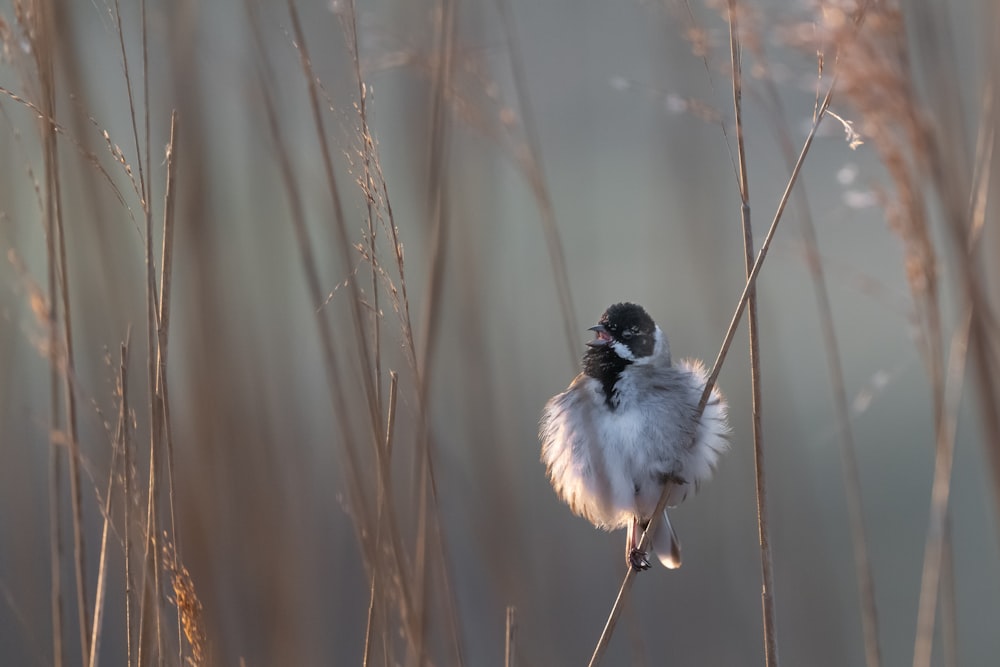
[{"x": 638, "y": 560}]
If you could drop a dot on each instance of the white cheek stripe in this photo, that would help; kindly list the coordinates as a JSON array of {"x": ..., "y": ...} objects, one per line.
[
  {"x": 621, "y": 349},
  {"x": 658, "y": 345}
]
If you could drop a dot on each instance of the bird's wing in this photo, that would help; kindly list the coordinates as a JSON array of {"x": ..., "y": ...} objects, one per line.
[{"x": 572, "y": 455}]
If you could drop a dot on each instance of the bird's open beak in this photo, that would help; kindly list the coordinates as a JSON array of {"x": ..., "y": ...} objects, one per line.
[{"x": 602, "y": 337}]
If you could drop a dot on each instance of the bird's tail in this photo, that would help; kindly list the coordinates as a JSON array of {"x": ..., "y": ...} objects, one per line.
[{"x": 666, "y": 545}]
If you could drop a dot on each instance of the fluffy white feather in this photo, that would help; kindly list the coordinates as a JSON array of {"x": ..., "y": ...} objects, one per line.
[{"x": 610, "y": 459}]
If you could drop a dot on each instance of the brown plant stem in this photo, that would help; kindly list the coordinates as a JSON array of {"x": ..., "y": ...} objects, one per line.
[
  {"x": 384, "y": 459},
  {"x": 531, "y": 161},
  {"x": 616, "y": 610},
  {"x": 117, "y": 453},
  {"x": 763, "y": 525},
  {"x": 44, "y": 46},
  {"x": 937, "y": 549},
  {"x": 162, "y": 396},
  {"x": 510, "y": 638},
  {"x": 845, "y": 434}
]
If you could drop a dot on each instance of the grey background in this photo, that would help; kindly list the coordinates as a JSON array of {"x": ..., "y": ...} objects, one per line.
[{"x": 647, "y": 206}]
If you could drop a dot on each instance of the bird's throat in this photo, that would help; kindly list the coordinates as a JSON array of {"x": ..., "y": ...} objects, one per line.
[{"x": 604, "y": 364}]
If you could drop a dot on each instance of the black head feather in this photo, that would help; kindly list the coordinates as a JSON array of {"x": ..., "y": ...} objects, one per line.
[
  {"x": 627, "y": 324},
  {"x": 632, "y": 325}
]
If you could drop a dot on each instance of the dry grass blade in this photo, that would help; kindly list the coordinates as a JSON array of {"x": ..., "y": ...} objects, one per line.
[
  {"x": 150, "y": 560},
  {"x": 163, "y": 312},
  {"x": 340, "y": 225},
  {"x": 937, "y": 550},
  {"x": 437, "y": 190},
  {"x": 188, "y": 606},
  {"x": 510, "y": 643},
  {"x": 162, "y": 397},
  {"x": 68, "y": 372},
  {"x": 532, "y": 164},
  {"x": 26, "y": 628},
  {"x": 384, "y": 483},
  {"x": 131, "y": 105},
  {"x": 89, "y": 156},
  {"x": 616, "y": 610},
  {"x": 354, "y": 475},
  {"x": 55, "y": 519},
  {"x": 121, "y": 437},
  {"x": 949, "y": 601},
  {"x": 940, "y": 492},
  {"x": 43, "y": 47},
  {"x": 428, "y": 523},
  {"x": 310, "y": 269},
  {"x": 413, "y": 602},
  {"x": 851, "y": 472},
  {"x": 367, "y": 158},
  {"x": 763, "y": 525},
  {"x": 127, "y": 490},
  {"x": 102, "y": 561}
]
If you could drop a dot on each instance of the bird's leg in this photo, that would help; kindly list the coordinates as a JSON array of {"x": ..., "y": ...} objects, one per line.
[{"x": 636, "y": 558}]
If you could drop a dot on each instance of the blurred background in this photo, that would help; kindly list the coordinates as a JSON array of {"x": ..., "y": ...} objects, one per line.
[{"x": 450, "y": 193}]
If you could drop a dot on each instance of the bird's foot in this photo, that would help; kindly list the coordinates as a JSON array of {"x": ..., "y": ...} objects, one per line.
[
  {"x": 672, "y": 478},
  {"x": 638, "y": 560}
]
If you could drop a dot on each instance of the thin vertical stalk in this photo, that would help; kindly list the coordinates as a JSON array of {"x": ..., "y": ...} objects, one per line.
[
  {"x": 55, "y": 464},
  {"x": 428, "y": 523},
  {"x": 150, "y": 556},
  {"x": 331, "y": 361},
  {"x": 437, "y": 186},
  {"x": 533, "y": 167},
  {"x": 510, "y": 637},
  {"x": 848, "y": 450},
  {"x": 340, "y": 226},
  {"x": 368, "y": 187},
  {"x": 162, "y": 397},
  {"x": 626, "y": 587},
  {"x": 384, "y": 460},
  {"x": 69, "y": 372},
  {"x": 102, "y": 561},
  {"x": 937, "y": 552},
  {"x": 940, "y": 493},
  {"x": 310, "y": 269},
  {"x": 44, "y": 45},
  {"x": 766, "y": 559},
  {"x": 949, "y": 603},
  {"x": 126, "y": 445},
  {"x": 55, "y": 534}
]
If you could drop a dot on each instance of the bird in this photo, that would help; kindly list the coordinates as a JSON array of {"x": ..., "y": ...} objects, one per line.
[{"x": 628, "y": 426}]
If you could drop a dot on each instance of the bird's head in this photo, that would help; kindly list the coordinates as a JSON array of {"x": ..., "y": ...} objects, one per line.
[{"x": 627, "y": 331}]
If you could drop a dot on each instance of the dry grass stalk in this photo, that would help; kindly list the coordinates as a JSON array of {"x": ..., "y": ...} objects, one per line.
[
  {"x": 879, "y": 80},
  {"x": 188, "y": 605},
  {"x": 398, "y": 577},
  {"x": 937, "y": 574},
  {"x": 530, "y": 160},
  {"x": 405, "y": 597},
  {"x": 713, "y": 375},
  {"x": 510, "y": 642},
  {"x": 38, "y": 28},
  {"x": 129, "y": 499},
  {"x": 760, "y": 479},
  {"x": 815, "y": 264}
]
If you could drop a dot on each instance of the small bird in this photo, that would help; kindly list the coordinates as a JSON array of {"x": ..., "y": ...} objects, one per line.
[{"x": 626, "y": 427}]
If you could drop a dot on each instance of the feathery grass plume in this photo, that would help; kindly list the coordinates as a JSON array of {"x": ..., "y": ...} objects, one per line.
[
  {"x": 919, "y": 142},
  {"x": 874, "y": 75},
  {"x": 188, "y": 605},
  {"x": 358, "y": 486}
]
